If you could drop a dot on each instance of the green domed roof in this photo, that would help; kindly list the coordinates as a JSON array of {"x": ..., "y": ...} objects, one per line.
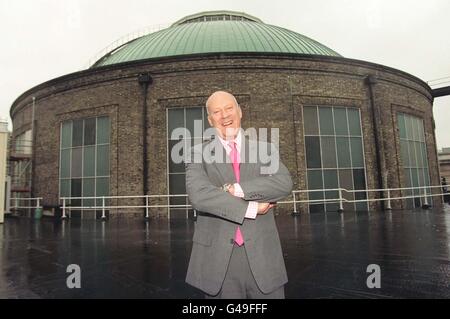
[{"x": 215, "y": 32}]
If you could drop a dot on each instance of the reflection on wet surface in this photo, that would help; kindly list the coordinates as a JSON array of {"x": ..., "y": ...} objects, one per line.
[{"x": 326, "y": 256}]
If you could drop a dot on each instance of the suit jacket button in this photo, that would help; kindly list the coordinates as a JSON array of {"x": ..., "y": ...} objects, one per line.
[{"x": 232, "y": 241}]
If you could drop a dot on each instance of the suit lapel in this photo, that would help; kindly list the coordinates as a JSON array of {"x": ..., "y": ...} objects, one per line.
[
  {"x": 248, "y": 158},
  {"x": 222, "y": 162}
]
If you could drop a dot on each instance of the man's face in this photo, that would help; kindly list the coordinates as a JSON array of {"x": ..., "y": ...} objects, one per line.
[{"x": 224, "y": 115}]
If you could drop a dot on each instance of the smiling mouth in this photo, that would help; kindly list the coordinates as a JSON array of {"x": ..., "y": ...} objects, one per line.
[{"x": 226, "y": 124}]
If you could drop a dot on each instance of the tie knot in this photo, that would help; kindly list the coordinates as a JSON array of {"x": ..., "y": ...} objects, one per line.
[{"x": 232, "y": 144}]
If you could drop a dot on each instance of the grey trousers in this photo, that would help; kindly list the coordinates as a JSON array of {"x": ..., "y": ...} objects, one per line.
[{"x": 239, "y": 282}]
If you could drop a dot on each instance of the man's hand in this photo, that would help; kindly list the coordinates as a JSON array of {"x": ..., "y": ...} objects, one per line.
[
  {"x": 263, "y": 208},
  {"x": 231, "y": 190}
]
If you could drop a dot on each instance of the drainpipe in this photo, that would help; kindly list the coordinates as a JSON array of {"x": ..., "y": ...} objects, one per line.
[
  {"x": 371, "y": 81},
  {"x": 145, "y": 80},
  {"x": 33, "y": 145}
]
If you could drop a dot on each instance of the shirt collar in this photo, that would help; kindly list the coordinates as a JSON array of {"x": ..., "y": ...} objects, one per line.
[{"x": 237, "y": 140}]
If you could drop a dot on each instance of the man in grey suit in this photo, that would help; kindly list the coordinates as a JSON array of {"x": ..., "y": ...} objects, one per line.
[{"x": 236, "y": 250}]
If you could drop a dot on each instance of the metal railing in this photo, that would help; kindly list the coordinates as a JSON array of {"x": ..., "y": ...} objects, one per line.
[
  {"x": 102, "y": 203},
  {"x": 104, "y": 206},
  {"x": 424, "y": 193},
  {"x": 16, "y": 200}
]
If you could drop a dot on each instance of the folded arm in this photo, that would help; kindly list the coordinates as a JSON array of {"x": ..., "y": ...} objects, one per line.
[
  {"x": 269, "y": 187},
  {"x": 207, "y": 197}
]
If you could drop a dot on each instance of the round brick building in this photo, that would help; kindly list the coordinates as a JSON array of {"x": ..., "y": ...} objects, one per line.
[{"x": 342, "y": 123}]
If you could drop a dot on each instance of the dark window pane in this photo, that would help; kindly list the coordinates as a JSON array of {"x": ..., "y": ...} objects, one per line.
[
  {"x": 75, "y": 192},
  {"x": 343, "y": 151},
  {"x": 427, "y": 177},
  {"x": 315, "y": 182},
  {"x": 177, "y": 185},
  {"x": 89, "y": 131},
  {"x": 409, "y": 127},
  {"x": 359, "y": 180},
  {"x": 310, "y": 120},
  {"x": 326, "y": 121},
  {"x": 420, "y": 173},
  {"x": 175, "y": 119},
  {"x": 357, "y": 152},
  {"x": 77, "y": 160},
  {"x": 412, "y": 154},
  {"x": 89, "y": 161},
  {"x": 419, "y": 154},
  {"x": 312, "y": 144},
  {"x": 66, "y": 134},
  {"x": 330, "y": 180},
  {"x": 176, "y": 153},
  {"x": 88, "y": 191},
  {"x": 346, "y": 182},
  {"x": 328, "y": 152},
  {"x": 194, "y": 121},
  {"x": 103, "y": 160},
  {"x": 77, "y": 134},
  {"x": 405, "y": 153},
  {"x": 76, "y": 187},
  {"x": 415, "y": 180},
  {"x": 361, "y": 206},
  {"x": 64, "y": 188},
  {"x": 407, "y": 174},
  {"x": 424, "y": 155},
  {"x": 353, "y": 122},
  {"x": 340, "y": 121},
  {"x": 316, "y": 208},
  {"x": 401, "y": 125},
  {"x": 103, "y": 130},
  {"x": 65, "y": 163},
  {"x": 415, "y": 125},
  {"x": 408, "y": 183},
  {"x": 205, "y": 119},
  {"x": 102, "y": 189}
]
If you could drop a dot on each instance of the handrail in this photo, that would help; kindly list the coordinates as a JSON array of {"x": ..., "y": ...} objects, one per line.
[{"x": 423, "y": 195}]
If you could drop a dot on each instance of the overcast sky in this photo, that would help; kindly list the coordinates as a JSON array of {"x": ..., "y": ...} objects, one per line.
[{"x": 44, "y": 39}]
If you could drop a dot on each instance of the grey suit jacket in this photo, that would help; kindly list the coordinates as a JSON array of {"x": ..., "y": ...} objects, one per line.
[{"x": 219, "y": 213}]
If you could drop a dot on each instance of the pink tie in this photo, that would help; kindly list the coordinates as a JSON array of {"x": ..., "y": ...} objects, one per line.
[{"x": 235, "y": 161}]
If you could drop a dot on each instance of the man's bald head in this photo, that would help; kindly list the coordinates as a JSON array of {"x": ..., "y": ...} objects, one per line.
[
  {"x": 219, "y": 96},
  {"x": 224, "y": 114}
]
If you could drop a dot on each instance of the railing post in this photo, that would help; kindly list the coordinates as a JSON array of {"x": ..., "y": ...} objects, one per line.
[
  {"x": 295, "y": 212},
  {"x": 146, "y": 207},
  {"x": 64, "y": 209},
  {"x": 388, "y": 204},
  {"x": 38, "y": 204},
  {"x": 103, "y": 209},
  {"x": 341, "y": 205},
  {"x": 425, "y": 204}
]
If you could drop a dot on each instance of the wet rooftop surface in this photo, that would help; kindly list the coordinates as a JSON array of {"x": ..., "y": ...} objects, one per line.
[{"x": 326, "y": 256}]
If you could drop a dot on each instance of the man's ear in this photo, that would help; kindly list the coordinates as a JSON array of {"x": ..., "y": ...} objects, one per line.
[
  {"x": 209, "y": 121},
  {"x": 240, "y": 112}
]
